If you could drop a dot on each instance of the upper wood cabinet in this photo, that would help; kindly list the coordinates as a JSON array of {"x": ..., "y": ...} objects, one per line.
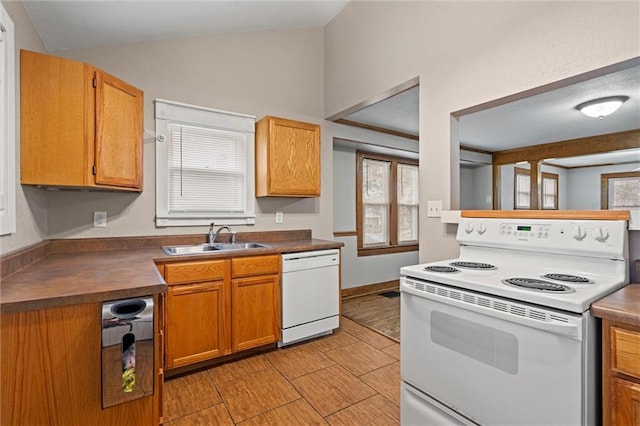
[
  {"x": 287, "y": 158},
  {"x": 80, "y": 127}
]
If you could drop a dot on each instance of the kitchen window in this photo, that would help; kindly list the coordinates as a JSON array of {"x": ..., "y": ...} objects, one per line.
[
  {"x": 522, "y": 185},
  {"x": 386, "y": 204},
  {"x": 620, "y": 191},
  {"x": 204, "y": 166},
  {"x": 7, "y": 125}
]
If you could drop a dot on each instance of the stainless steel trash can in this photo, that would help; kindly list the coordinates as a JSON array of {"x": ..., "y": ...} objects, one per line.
[{"x": 127, "y": 350}]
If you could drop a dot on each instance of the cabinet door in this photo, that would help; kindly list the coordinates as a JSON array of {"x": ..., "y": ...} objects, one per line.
[
  {"x": 197, "y": 322},
  {"x": 287, "y": 158},
  {"x": 52, "y": 94},
  {"x": 118, "y": 132},
  {"x": 625, "y": 407},
  {"x": 256, "y": 311}
]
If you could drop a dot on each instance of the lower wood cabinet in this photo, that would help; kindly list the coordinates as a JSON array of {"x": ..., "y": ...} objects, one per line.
[
  {"x": 256, "y": 311},
  {"x": 217, "y": 307},
  {"x": 255, "y": 301},
  {"x": 51, "y": 370},
  {"x": 198, "y": 322},
  {"x": 625, "y": 402},
  {"x": 621, "y": 374},
  {"x": 198, "y": 311}
]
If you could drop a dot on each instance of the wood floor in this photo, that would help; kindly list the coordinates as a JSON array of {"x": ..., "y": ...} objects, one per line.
[
  {"x": 351, "y": 377},
  {"x": 375, "y": 311}
]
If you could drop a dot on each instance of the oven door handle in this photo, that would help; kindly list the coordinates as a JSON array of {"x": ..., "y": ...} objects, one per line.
[{"x": 572, "y": 328}]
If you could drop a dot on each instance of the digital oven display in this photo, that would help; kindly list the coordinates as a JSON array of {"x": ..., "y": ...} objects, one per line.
[{"x": 524, "y": 228}]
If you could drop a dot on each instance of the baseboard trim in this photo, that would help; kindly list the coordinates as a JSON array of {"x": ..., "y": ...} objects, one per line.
[{"x": 348, "y": 293}]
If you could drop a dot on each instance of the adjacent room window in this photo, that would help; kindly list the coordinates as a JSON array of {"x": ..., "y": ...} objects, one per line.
[
  {"x": 204, "y": 166},
  {"x": 7, "y": 125},
  {"x": 549, "y": 191},
  {"x": 620, "y": 191},
  {"x": 386, "y": 204},
  {"x": 522, "y": 186}
]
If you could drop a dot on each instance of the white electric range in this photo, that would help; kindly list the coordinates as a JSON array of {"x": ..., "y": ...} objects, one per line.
[{"x": 503, "y": 334}]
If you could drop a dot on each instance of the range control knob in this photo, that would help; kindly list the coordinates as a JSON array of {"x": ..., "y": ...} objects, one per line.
[
  {"x": 600, "y": 234},
  {"x": 482, "y": 229},
  {"x": 469, "y": 228},
  {"x": 579, "y": 233}
]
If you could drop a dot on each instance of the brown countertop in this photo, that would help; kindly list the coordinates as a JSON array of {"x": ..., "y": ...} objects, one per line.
[
  {"x": 621, "y": 306},
  {"x": 95, "y": 275}
]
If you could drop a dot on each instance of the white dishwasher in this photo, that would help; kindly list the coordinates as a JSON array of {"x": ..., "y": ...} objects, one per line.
[{"x": 310, "y": 294}]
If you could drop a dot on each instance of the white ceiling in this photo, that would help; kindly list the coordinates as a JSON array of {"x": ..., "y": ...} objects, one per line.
[
  {"x": 551, "y": 116},
  {"x": 614, "y": 157},
  {"x": 398, "y": 113},
  {"x": 546, "y": 117},
  {"x": 78, "y": 24}
]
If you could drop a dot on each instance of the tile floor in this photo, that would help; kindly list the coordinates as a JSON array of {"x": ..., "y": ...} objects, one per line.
[
  {"x": 375, "y": 311},
  {"x": 351, "y": 377}
]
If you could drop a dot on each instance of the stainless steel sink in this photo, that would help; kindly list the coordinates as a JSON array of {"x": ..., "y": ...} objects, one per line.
[
  {"x": 207, "y": 248},
  {"x": 238, "y": 246},
  {"x": 192, "y": 249}
]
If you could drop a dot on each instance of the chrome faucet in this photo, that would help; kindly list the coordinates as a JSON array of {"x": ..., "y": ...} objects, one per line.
[{"x": 214, "y": 234}]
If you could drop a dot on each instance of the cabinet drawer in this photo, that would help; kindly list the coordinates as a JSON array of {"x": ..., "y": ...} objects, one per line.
[
  {"x": 625, "y": 351},
  {"x": 255, "y": 265},
  {"x": 189, "y": 272}
]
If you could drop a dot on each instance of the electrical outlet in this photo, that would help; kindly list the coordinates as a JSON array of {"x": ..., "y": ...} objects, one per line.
[
  {"x": 99, "y": 219},
  {"x": 434, "y": 208},
  {"x": 279, "y": 217}
]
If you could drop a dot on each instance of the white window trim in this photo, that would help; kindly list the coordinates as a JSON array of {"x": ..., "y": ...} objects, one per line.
[
  {"x": 8, "y": 136},
  {"x": 165, "y": 111}
]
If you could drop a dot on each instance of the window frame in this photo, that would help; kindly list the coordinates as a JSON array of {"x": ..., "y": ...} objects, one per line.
[
  {"x": 544, "y": 175},
  {"x": 520, "y": 171},
  {"x": 167, "y": 111},
  {"x": 8, "y": 126},
  {"x": 604, "y": 187},
  {"x": 556, "y": 178},
  {"x": 393, "y": 247}
]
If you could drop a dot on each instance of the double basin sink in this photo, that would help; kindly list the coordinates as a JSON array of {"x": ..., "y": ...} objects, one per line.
[{"x": 208, "y": 248}]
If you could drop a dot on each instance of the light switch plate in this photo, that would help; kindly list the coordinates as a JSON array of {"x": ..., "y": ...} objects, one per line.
[
  {"x": 279, "y": 217},
  {"x": 99, "y": 219},
  {"x": 434, "y": 208}
]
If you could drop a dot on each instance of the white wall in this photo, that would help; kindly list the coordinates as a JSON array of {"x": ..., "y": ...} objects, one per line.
[
  {"x": 344, "y": 190},
  {"x": 476, "y": 188},
  {"x": 465, "y": 53},
  {"x": 31, "y": 204},
  {"x": 584, "y": 185}
]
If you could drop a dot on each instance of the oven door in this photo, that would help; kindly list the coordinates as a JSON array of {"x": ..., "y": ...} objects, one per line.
[{"x": 489, "y": 359}]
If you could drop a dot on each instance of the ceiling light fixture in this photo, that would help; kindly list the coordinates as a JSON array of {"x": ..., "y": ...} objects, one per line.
[{"x": 599, "y": 108}]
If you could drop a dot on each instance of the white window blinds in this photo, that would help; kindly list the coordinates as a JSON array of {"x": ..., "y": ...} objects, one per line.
[
  {"x": 207, "y": 170},
  {"x": 375, "y": 201},
  {"x": 407, "y": 193},
  {"x": 204, "y": 166}
]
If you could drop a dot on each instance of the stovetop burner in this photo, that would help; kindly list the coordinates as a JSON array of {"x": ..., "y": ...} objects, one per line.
[
  {"x": 567, "y": 278},
  {"x": 472, "y": 265},
  {"x": 444, "y": 269},
  {"x": 538, "y": 285}
]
